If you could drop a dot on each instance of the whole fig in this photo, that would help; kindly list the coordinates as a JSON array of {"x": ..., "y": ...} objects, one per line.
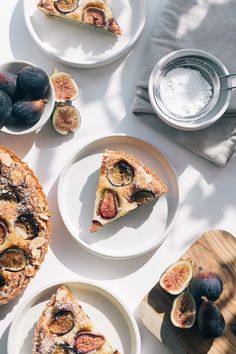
[
  {"x": 28, "y": 112},
  {"x": 33, "y": 81},
  {"x": 210, "y": 320},
  {"x": 5, "y": 108},
  {"x": 8, "y": 83},
  {"x": 206, "y": 283}
]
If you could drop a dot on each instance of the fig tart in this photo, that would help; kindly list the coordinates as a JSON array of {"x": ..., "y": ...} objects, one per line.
[
  {"x": 124, "y": 184},
  {"x": 25, "y": 225},
  {"x": 65, "y": 328},
  {"x": 93, "y": 13}
]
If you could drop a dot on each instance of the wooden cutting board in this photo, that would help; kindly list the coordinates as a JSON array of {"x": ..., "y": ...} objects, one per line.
[{"x": 215, "y": 251}]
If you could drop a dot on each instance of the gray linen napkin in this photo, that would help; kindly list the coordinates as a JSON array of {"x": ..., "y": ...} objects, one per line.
[{"x": 209, "y": 25}]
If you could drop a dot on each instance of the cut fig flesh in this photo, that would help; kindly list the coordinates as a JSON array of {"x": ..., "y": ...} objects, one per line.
[
  {"x": 121, "y": 174},
  {"x": 3, "y": 232},
  {"x": 13, "y": 259},
  {"x": 66, "y": 6},
  {"x": 65, "y": 87},
  {"x": 108, "y": 208},
  {"x": 183, "y": 313},
  {"x": 28, "y": 223},
  {"x": 10, "y": 196},
  {"x": 177, "y": 277},
  {"x": 62, "y": 323},
  {"x": 142, "y": 196},
  {"x": 66, "y": 119},
  {"x": 86, "y": 342},
  {"x": 95, "y": 16}
]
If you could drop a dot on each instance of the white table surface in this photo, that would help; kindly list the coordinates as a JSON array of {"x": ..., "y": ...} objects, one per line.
[{"x": 207, "y": 192}]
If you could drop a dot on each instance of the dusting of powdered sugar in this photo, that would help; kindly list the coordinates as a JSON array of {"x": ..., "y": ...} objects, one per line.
[{"x": 184, "y": 91}]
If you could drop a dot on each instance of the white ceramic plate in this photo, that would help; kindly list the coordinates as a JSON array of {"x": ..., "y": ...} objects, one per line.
[
  {"x": 130, "y": 236},
  {"x": 105, "y": 310},
  {"x": 84, "y": 47}
]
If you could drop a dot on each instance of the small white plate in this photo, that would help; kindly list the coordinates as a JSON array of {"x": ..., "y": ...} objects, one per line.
[
  {"x": 84, "y": 47},
  {"x": 107, "y": 312},
  {"x": 211, "y": 116},
  {"x": 12, "y": 127},
  {"x": 133, "y": 235}
]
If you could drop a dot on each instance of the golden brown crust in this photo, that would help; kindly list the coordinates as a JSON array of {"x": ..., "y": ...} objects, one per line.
[
  {"x": 102, "y": 18},
  {"x": 44, "y": 341},
  {"x": 144, "y": 179},
  {"x": 18, "y": 179}
]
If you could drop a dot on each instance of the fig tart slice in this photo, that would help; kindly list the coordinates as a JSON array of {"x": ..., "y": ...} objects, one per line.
[
  {"x": 93, "y": 13},
  {"x": 124, "y": 184},
  {"x": 64, "y": 328},
  {"x": 25, "y": 225}
]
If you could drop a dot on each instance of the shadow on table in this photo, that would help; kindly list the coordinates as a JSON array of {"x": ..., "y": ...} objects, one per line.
[
  {"x": 15, "y": 143},
  {"x": 22, "y": 45},
  {"x": 75, "y": 258},
  {"x": 6, "y": 309},
  {"x": 4, "y": 339}
]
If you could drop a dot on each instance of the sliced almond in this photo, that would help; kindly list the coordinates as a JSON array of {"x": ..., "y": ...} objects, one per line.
[
  {"x": 43, "y": 216},
  {"x": 29, "y": 271},
  {"x": 36, "y": 253},
  {"x": 6, "y": 159},
  {"x": 37, "y": 242}
]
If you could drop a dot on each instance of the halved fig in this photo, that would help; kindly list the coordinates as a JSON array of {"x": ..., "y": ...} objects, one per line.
[
  {"x": 108, "y": 208},
  {"x": 95, "y": 16},
  {"x": 13, "y": 259},
  {"x": 177, "y": 277},
  {"x": 66, "y": 6},
  {"x": 142, "y": 196},
  {"x": 66, "y": 119},
  {"x": 183, "y": 313},
  {"x": 62, "y": 323},
  {"x": 10, "y": 196},
  {"x": 65, "y": 87},
  {"x": 29, "y": 224},
  {"x": 86, "y": 342},
  {"x": 3, "y": 232},
  {"x": 121, "y": 174}
]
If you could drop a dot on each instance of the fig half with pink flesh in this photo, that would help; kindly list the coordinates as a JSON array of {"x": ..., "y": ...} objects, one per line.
[
  {"x": 177, "y": 277},
  {"x": 183, "y": 313}
]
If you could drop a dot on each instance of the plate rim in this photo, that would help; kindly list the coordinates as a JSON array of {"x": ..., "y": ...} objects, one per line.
[
  {"x": 88, "y": 283},
  {"x": 60, "y": 200},
  {"x": 84, "y": 63}
]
